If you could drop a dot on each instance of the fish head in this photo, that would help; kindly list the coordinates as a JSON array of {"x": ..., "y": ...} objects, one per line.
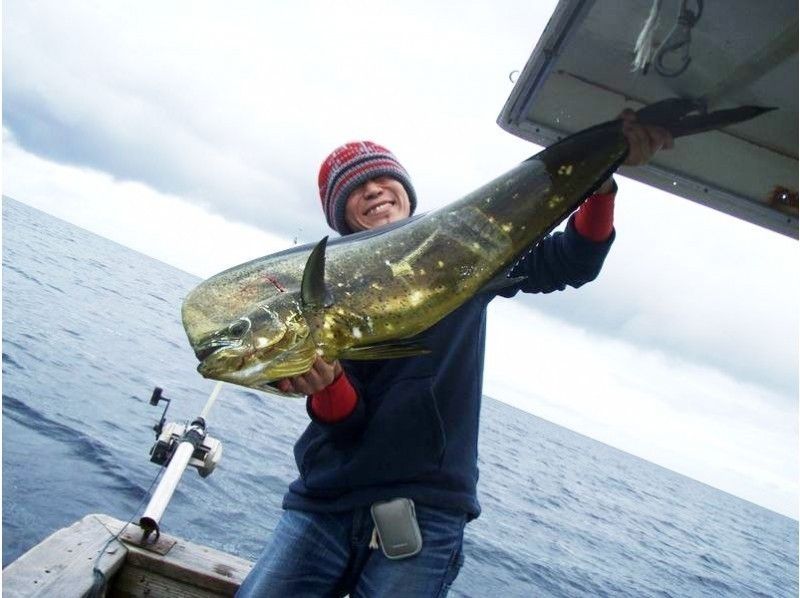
[{"x": 271, "y": 342}]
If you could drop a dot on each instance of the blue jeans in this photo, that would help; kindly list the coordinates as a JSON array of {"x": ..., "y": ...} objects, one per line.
[{"x": 328, "y": 554}]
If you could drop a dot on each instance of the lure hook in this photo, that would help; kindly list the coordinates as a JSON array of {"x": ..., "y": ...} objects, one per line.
[{"x": 679, "y": 40}]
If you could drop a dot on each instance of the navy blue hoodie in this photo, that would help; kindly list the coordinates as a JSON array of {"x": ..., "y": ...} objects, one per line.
[{"x": 414, "y": 431}]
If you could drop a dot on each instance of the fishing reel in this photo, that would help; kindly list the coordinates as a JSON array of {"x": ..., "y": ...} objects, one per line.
[{"x": 207, "y": 450}]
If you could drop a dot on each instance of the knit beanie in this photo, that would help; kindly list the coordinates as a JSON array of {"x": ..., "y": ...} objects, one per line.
[{"x": 350, "y": 166}]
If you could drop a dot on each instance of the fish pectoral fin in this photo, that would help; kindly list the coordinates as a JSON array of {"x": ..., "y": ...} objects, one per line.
[
  {"x": 270, "y": 388},
  {"x": 390, "y": 350},
  {"x": 313, "y": 290},
  {"x": 500, "y": 282}
]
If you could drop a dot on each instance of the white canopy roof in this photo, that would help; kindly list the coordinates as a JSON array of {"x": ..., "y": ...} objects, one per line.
[{"x": 741, "y": 52}]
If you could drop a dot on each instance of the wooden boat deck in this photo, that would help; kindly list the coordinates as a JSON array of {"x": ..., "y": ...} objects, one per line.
[{"x": 62, "y": 564}]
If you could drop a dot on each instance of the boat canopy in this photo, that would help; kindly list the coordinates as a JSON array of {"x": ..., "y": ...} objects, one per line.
[{"x": 726, "y": 53}]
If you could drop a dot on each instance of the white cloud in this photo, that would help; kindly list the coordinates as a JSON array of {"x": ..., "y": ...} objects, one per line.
[
  {"x": 706, "y": 286},
  {"x": 157, "y": 224},
  {"x": 736, "y": 436},
  {"x": 711, "y": 286},
  {"x": 245, "y": 120}
]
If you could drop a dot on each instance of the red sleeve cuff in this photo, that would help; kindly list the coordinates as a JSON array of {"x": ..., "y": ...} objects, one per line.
[
  {"x": 335, "y": 402},
  {"x": 594, "y": 220}
]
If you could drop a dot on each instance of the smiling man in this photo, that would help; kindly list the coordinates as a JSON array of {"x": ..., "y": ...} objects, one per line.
[
  {"x": 377, "y": 202},
  {"x": 390, "y": 458},
  {"x": 375, "y": 186}
]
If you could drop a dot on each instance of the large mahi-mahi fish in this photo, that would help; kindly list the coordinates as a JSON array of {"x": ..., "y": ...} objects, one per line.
[{"x": 363, "y": 296}]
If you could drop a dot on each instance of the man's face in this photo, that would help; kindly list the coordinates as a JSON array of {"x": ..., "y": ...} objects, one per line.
[{"x": 377, "y": 202}]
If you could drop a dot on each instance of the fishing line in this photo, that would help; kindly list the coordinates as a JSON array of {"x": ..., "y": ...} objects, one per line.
[{"x": 100, "y": 581}]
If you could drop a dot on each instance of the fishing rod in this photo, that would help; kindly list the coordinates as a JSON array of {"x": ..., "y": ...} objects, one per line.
[{"x": 177, "y": 447}]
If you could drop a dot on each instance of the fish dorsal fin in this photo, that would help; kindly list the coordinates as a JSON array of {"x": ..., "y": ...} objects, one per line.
[{"x": 313, "y": 291}]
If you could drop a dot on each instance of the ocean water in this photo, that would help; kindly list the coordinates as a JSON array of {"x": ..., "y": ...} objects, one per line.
[{"x": 90, "y": 327}]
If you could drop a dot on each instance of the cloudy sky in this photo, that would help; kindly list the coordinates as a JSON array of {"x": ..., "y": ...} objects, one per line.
[{"x": 193, "y": 131}]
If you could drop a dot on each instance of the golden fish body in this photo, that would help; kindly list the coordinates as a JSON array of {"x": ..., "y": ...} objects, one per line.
[
  {"x": 364, "y": 296},
  {"x": 249, "y": 325}
]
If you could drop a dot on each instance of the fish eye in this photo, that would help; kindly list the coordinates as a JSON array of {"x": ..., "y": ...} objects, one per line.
[{"x": 239, "y": 327}]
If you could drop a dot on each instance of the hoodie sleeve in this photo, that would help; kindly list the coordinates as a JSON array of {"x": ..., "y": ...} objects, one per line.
[
  {"x": 335, "y": 402},
  {"x": 569, "y": 258},
  {"x": 337, "y": 408},
  {"x": 594, "y": 220}
]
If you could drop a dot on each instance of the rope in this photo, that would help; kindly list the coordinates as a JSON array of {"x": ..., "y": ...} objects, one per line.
[
  {"x": 100, "y": 582},
  {"x": 643, "y": 49},
  {"x": 373, "y": 541}
]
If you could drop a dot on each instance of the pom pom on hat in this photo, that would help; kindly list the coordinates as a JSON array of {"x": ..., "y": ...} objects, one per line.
[{"x": 352, "y": 165}]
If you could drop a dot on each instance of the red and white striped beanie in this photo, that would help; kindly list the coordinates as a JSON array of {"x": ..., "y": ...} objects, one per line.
[{"x": 349, "y": 166}]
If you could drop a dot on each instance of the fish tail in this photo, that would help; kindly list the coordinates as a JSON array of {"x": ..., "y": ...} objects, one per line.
[{"x": 675, "y": 115}]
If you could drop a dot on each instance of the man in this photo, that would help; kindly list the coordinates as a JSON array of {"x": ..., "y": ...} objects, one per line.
[{"x": 406, "y": 428}]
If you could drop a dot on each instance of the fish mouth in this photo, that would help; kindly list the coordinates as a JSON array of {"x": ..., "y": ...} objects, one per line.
[
  {"x": 245, "y": 366},
  {"x": 208, "y": 349}
]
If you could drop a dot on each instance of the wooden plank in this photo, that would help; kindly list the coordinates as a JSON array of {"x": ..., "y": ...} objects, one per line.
[
  {"x": 61, "y": 565},
  {"x": 186, "y": 562},
  {"x": 135, "y": 582}
]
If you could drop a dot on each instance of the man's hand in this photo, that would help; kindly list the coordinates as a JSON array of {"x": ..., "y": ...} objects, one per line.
[
  {"x": 320, "y": 376},
  {"x": 643, "y": 140}
]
